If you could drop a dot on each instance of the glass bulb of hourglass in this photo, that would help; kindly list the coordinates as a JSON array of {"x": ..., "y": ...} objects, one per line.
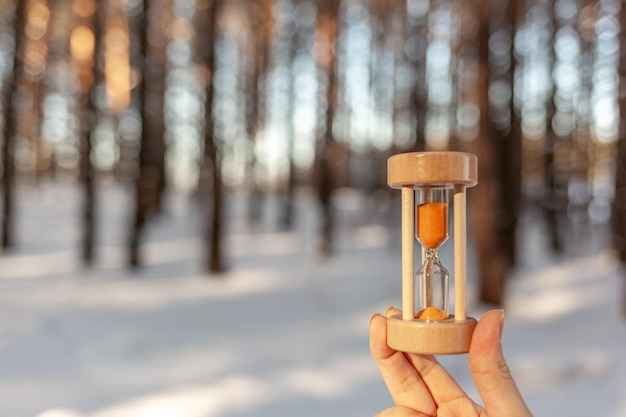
[
  {"x": 432, "y": 231},
  {"x": 432, "y": 278}
]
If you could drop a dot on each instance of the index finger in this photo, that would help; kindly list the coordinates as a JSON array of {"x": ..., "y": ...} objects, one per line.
[
  {"x": 439, "y": 382},
  {"x": 403, "y": 382}
]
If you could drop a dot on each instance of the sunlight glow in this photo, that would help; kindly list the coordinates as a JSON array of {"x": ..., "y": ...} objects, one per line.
[
  {"x": 561, "y": 289},
  {"x": 37, "y": 21},
  {"x": 59, "y": 412},
  {"x": 117, "y": 63},
  {"x": 550, "y": 304},
  {"x": 82, "y": 43},
  {"x": 243, "y": 393},
  {"x": 238, "y": 392}
]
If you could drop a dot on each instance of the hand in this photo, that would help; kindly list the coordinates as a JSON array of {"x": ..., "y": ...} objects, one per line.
[{"x": 421, "y": 387}]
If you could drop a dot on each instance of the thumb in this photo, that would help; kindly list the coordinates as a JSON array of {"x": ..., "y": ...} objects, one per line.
[{"x": 490, "y": 371}]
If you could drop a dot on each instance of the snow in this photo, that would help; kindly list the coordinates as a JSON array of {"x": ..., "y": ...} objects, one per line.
[{"x": 283, "y": 332}]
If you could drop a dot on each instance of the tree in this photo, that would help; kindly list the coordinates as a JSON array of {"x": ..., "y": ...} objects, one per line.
[
  {"x": 151, "y": 87},
  {"x": 263, "y": 25},
  {"x": 211, "y": 165},
  {"x": 86, "y": 48},
  {"x": 619, "y": 201},
  {"x": 294, "y": 33},
  {"x": 327, "y": 149},
  {"x": 37, "y": 48},
  {"x": 498, "y": 150},
  {"x": 507, "y": 139},
  {"x": 10, "y": 121},
  {"x": 415, "y": 51},
  {"x": 552, "y": 203}
]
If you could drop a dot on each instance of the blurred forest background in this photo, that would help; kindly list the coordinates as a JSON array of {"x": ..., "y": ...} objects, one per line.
[{"x": 266, "y": 97}]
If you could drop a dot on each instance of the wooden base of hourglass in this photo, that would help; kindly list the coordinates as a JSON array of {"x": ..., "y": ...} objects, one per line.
[{"x": 441, "y": 337}]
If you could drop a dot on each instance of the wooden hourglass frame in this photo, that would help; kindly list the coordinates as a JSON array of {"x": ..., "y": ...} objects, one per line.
[{"x": 455, "y": 172}]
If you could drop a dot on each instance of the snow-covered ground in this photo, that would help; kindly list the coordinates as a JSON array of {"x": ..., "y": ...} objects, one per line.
[{"x": 283, "y": 333}]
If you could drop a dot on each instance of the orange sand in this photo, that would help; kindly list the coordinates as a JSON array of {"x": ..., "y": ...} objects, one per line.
[
  {"x": 432, "y": 224},
  {"x": 432, "y": 313}
]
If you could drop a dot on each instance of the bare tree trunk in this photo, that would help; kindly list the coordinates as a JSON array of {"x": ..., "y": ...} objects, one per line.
[
  {"x": 619, "y": 202},
  {"x": 10, "y": 124},
  {"x": 155, "y": 73},
  {"x": 499, "y": 191},
  {"x": 552, "y": 203},
  {"x": 416, "y": 54},
  {"x": 141, "y": 198},
  {"x": 262, "y": 23},
  {"x": 146, "y": 180},
  {"x": 287, "y": 217},
  {"x": 89, "y": 75},
  {"x": 493, "y": 263},
  {"x": 510, "y": 153},
  {"x": 211, "y": 167},
  {"x": 35, "y": 81},
  {"x": 328, "y": 26},
  {"x": 150, "y": 89}
]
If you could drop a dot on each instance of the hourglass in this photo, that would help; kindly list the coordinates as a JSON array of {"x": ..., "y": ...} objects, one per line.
[{"x": 426, "y": 180}]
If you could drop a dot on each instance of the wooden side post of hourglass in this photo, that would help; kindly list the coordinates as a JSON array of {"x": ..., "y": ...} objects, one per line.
[{"x": 409, "y": 171}]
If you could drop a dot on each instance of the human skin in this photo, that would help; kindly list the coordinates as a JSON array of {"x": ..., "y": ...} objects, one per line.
[{"x": 421, "y": 387}]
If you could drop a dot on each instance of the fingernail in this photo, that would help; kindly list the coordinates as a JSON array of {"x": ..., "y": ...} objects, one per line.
[
  {"x": 388, "y": 310},
  {"x": 501, "y": 323},
  {"x": 372, "y": 317}
]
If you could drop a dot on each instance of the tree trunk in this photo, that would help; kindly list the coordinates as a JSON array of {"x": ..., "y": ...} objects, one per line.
[
  {"x": 417, "y": 42},
  {"x": 150, "y": 89},
  {"x": 510, "y": 153},
  {"x": 499, "y": 189},
  {"x": 90, "y": 76},
  {"x": 619, "y": 202},
  {"x": 288, "y": 210},
  {"x": 10, "y": 124},
  {"x": 145, "y": 177},
  {"x": 493, "y": 263},
  {"x": 553, "y": 202},
  {"x": 36, "y": 82},
  {"x": 328, "y": 26},
  {"x": 142, "y": 181},
  {"x": 211, "y": 167},
  {"x": 155, "y": 73},
  {"x": 262, "y": 23}
]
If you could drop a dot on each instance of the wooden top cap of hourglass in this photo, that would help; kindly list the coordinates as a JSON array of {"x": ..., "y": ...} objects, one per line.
[{"x": 432, "y": 168}]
